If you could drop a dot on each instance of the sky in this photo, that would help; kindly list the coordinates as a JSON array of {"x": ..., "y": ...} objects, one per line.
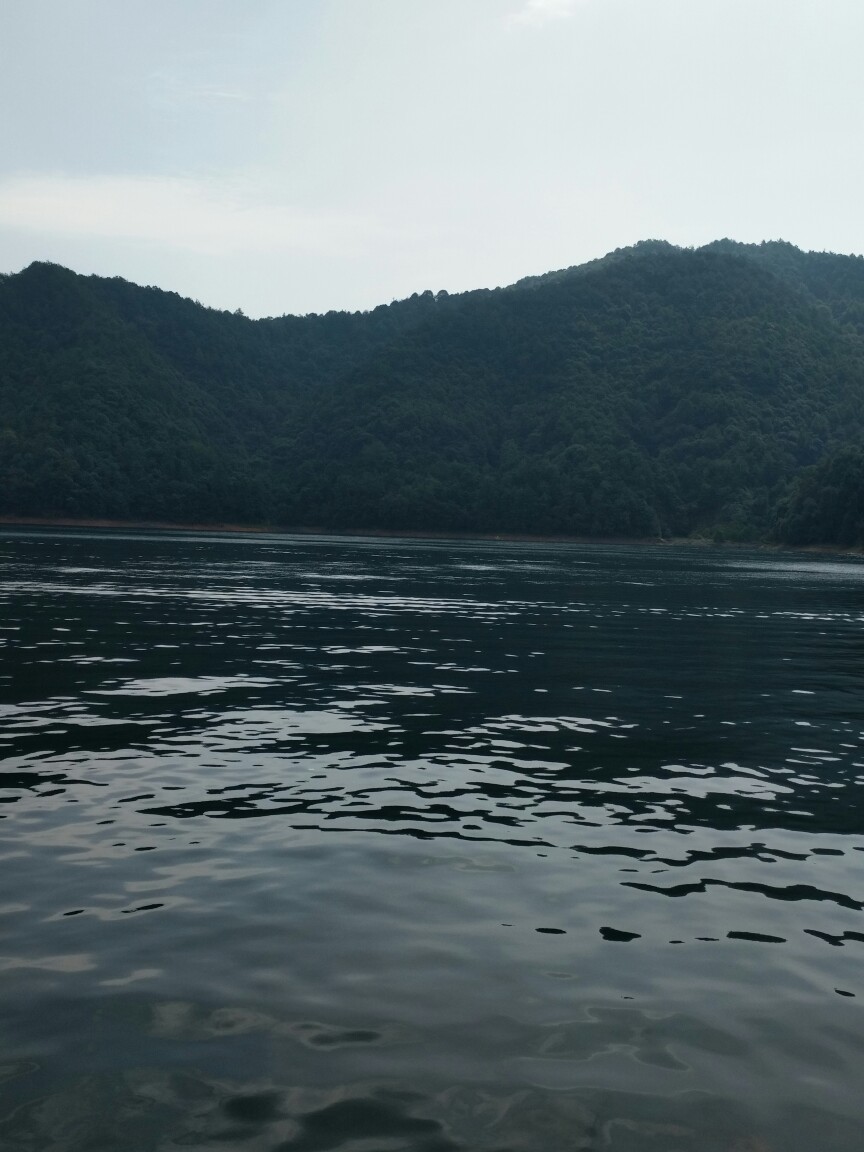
[{"x": 295, "y": 156}]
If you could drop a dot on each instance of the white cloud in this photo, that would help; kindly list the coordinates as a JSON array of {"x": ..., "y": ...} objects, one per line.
[
  {"x": 167, "y": 90},
  {"x": 543, "y": 11},
  {"x": 213, "y": 217}
]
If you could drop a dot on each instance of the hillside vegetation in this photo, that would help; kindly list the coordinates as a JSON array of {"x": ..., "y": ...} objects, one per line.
[{"x": 659, "y": 391}]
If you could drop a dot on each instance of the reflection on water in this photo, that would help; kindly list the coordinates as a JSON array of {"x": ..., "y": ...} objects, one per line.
[{"x": 365, "y": 845}]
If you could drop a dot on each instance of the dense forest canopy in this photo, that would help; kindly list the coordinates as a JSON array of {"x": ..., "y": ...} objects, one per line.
[{"x": 656, "y": 392}]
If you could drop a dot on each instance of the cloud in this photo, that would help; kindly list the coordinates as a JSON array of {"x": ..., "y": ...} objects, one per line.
[
  {"x": 214, "y": 217},
  {"x": 167, "y": 90},
  {"x": 543, "y": 11}
]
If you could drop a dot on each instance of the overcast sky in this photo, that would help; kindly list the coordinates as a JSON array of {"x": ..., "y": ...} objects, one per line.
[{"x": 301, "y": 155}]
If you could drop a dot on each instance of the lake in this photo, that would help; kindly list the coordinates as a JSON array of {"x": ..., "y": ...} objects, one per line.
[{"x": 374, "y": 845}]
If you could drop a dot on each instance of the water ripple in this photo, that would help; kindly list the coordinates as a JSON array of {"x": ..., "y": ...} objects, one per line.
[{"x": 397, "y": 808}]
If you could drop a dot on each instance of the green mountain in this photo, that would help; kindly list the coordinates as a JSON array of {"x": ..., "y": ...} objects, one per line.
[{"x": 656, "y": 391}]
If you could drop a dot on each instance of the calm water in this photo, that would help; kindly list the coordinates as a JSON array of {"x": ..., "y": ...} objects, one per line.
[{"x": 314, "y": 844}]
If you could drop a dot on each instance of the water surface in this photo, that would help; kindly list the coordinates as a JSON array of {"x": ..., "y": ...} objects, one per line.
[{"x": 369, "y": 845}]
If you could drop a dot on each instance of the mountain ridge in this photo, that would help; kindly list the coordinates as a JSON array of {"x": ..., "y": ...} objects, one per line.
[{"x": 656, "y": 391}]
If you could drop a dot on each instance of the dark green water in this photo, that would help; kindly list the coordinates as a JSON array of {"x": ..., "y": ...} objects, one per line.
[{"x": 314, "y": 844}]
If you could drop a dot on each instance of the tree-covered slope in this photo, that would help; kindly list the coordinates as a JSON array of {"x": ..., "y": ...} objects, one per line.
[{"x": 658, "y": 390}]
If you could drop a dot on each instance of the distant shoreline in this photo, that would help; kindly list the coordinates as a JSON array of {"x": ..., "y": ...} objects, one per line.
[
  {"x": 228, "y": 529},
  {"x": 383, "y": 533}
]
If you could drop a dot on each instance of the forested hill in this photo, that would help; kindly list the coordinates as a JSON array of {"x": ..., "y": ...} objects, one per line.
[{"x": 658, "y": 391}]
